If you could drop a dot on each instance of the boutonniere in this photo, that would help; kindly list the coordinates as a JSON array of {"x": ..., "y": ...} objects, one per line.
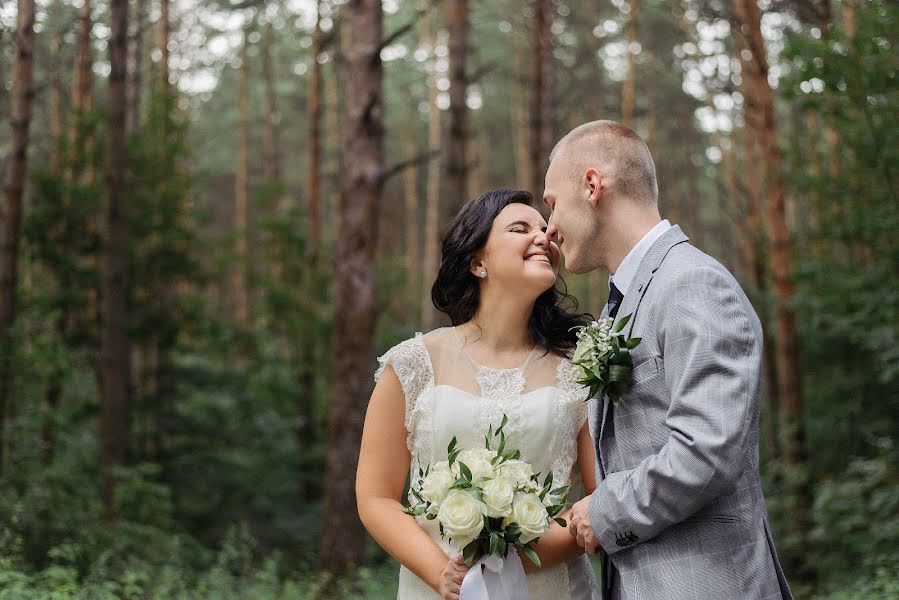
[{"x": 603, "y": 357}]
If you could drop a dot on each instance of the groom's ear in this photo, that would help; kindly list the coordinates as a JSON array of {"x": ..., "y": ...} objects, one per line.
[{"x": 595, "y": 186}]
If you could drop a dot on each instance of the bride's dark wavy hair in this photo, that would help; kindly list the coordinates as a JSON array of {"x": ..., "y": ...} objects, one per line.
[{"x": 456, "y": 290}]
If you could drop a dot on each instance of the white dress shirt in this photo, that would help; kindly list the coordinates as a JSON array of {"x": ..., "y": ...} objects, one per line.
[{"x": 628, "y": 267}]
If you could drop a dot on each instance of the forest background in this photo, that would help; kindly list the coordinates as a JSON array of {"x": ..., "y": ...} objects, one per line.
[{"x": 217, "y": 213}]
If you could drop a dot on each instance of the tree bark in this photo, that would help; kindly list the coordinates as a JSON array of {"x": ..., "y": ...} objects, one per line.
[
  {"x": 410, "y": 193},
  {"x": 456, "y": 160},
  {"x": 272, "y": 167},
  {"x": 164, "y": 34},
  {"x": 82, "y": 83},
  {"x": 343, "y": 538},
  {"x": 136, "y": 64},
  {"x": 115, "y": 364},
  {"x": 56, "y": 118},
  {"x": 14, "y": 178},
  {"x": 629, "y": 86},
  {"x": 314, "y": 110},
  {"x": 432, "y": 209},
  {"x": 80, "y": 167},
  {"x": 789, "y": 383},
  {"x": 241, "y": 191},
  {"x": 541, "y": 141}
]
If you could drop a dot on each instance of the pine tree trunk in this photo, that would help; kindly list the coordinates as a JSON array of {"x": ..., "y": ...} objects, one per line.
[
  {"x": 314, "y": 110},
  {"x": 114, "y": 348},
  {"x": 136, "y": 66},
  {"x": 521, "y": 124},
  {"x": 272, "y": 167},
  {"x": 164, "y": 36},
  {"x": 432, "y": 209},
  {"x": 410, "y": 194},
  {"x": 343, "y": 536},
  {"x": 80, "y": 167},
  {"x": 789, "y": 383},
  {"x": 14, "y": 177},
  {"x": 629, "y": 86},
  {"x": 56, "y": 119},
  {"x": 541, "y": 140},
  {"x": 241, "y": 192},
  {"x": 456, "y": 161}
]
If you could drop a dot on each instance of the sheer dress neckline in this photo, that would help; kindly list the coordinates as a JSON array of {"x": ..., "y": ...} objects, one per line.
[{"x": 479, "y": 366}]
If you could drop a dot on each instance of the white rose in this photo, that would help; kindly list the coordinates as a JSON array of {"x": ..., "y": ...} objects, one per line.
[
  {"x": 517, "y": 470},
  {"x": 498, "y": 496},
  {"x": 462, "y": 517},
  {"x": 531, "y": 516},
  {"x": 478, "y": 462},
  {"x": 437, "y": 483}
]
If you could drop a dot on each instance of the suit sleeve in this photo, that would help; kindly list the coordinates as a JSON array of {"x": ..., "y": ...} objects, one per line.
[{"x": 712, "y": 353}]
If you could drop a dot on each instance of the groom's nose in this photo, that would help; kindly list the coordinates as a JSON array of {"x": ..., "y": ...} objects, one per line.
[{"x": 552, "y": 234}]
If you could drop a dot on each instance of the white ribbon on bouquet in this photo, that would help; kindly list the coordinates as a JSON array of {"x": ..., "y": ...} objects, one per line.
[{"x": 499, "y": 579}]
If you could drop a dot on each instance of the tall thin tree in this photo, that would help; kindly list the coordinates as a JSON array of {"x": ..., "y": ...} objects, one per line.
[
  {"x": 789, "y": 382},
  {"x": 343, "y": 537},
  {"x": 240, "y": 288},
  {"x": 114, "y": 346},
  {"x": 432, "y": 193},
  {"x": 136, "y": 65},
  {"x": 271, "y": 168},
  {"x": 456, "y": 160},
  {"x": 14, "y": 178},
  {"x": 542, "y": 131},
  {"x": 314, "y": 110},
  {"x": 629, "y": 86}
]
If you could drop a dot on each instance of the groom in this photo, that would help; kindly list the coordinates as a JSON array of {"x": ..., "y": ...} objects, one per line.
[{"x": 678, "y": 510}]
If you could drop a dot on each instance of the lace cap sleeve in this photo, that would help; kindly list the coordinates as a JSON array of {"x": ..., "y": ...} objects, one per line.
[
  {"x": 570, "y": 417},
  {"x": 412, "y": 365},
  {"x": 568, "y": 376}
]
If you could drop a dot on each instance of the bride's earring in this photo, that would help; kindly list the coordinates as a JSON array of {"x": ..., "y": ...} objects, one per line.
[{"x": 483, "y": 274}]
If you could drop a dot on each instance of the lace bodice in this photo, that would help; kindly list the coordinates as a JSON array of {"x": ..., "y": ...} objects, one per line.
[{"x": 448, "y": 394}]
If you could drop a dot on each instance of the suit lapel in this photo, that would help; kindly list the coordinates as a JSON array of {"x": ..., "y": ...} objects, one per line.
[{"x": 650, "y": 263}]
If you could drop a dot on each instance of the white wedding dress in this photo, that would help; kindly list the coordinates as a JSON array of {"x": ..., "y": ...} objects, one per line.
[{"x": 448, "y": 394}]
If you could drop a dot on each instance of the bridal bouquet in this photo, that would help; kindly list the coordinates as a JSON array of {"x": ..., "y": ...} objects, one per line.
[{"x": 486, "y": 500}]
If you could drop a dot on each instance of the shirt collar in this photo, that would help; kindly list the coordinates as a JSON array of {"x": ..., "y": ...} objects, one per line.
[{"x": 624, "y": 276}]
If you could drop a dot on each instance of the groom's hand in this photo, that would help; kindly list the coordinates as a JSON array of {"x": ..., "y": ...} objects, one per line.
[{"x": 580, "y": 528}]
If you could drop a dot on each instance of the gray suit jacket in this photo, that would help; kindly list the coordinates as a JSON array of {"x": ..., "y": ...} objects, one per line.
[{"x": 678, "y": 506}]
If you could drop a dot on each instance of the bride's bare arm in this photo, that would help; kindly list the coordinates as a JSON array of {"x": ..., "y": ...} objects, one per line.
[
  {"x": 380, "y": 479},
  {"x": 558, "y": 545}
]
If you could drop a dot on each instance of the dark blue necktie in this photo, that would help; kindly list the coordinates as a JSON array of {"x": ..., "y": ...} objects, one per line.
[{"x": 615, "y": 297}]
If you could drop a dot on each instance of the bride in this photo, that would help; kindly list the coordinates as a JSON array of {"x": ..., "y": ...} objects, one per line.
[{"x": 505, "y": 354}]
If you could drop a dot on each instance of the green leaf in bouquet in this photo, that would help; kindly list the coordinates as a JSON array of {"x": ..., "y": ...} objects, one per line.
[
  {"x": 547, "y": 483},
  {"x": 503, "y": 422},
  {"x": 468, "y": 553},
  {"x": 560, "y": 491},
  {"x": 531, "y": 554},
  {"x": 621, "y": 324},
  {"x": 561, "y": 522},
  {"x": 515, "y": 455},
  {"x": 502, "y": 547},
  {"x": 555, "y": 509},
  {"x": 494, "y": 543},
  {"x": 430, "y": 516},
  {"x": 502, "y": 443},
  {"x": 452, "y": 446},
  {"x": 633, "y": 343},
  {"x": 466, "y": 472},
  {"x": 416, "y": 494}
]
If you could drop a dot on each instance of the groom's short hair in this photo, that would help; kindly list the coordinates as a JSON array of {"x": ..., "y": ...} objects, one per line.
[{"x": 620, "y": 146}]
